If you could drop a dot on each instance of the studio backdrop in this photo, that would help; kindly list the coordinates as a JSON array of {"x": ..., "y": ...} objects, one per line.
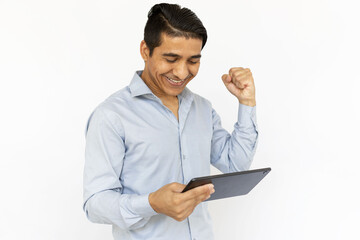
[{"x": 60, "y": 59}]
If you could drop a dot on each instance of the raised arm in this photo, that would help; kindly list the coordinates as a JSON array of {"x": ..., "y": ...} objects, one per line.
[{"x": 235, "y": 152}]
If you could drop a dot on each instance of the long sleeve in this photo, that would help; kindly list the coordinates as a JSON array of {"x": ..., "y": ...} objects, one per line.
[
  {"x": 104, "y": 201},
  {"x": 235, "y": 152},
  {"x": 135, "y": 145}
]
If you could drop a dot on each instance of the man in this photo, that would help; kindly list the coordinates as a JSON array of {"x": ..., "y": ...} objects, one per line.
[{"x": 146, "y": 141}]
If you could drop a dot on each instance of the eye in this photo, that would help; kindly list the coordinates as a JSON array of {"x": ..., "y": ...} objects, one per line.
[
  {"x": 192, "y": 62},
  {"x": 170, "y": 60}
]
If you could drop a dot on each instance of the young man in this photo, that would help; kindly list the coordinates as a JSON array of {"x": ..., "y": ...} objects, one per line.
[{"x": 146, "y": 141}]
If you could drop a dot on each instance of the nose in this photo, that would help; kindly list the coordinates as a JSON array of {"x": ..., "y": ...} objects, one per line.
[{"x": 181, "y": 71}]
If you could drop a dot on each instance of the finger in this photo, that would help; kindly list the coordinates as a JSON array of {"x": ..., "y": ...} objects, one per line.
[
  {"x": 203, "y": 197},
  {"x": 226, "y": 78},
  {"x": 183, "y": 215},
  {"x": 197, "y": 192},
  {"x": 239, "y": 84},
  {"x": 233, "y": 88},
  {"x": 177, "y": 187},
  {"x": 235, "y": 69},
  {"x": 200, "y": 198},
  {"x": 243, "y": 80},
  {"x": 240, "y": 73},
  {"x": 190, "y": 204}
]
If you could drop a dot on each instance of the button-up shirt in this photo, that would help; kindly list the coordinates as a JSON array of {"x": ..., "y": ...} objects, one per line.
[{"x": 135, "y": 145}]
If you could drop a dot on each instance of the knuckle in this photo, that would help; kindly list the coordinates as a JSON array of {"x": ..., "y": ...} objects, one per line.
[
  {"x": 178, "y": 212},
  {"x": 236, "y": 76},
  {"x": 180, "y": 217},
  {"x": 173, "y": 184},
  {"x": 232, "y": 70}
]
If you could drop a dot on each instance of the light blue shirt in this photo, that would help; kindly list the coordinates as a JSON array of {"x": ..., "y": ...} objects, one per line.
[{"x": 135, "y": 145}]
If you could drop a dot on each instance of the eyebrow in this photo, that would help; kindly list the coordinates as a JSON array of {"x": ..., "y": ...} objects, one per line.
[{"x": 177, "y": 56}]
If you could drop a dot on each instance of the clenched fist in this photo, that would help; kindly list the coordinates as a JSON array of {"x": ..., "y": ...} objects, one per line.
[{"x": 240, "y": 83}]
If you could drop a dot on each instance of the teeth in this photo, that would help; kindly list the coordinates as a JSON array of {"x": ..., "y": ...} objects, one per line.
[{"x": 175, "y": 81}]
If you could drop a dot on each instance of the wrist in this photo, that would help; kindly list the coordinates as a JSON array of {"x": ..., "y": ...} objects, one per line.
[
  {"x": 250, "y": 103},
  {"x": 152, "y": 203}
]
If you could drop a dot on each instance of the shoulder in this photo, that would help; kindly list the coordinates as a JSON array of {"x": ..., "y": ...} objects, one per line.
[
  {"x": 110, "y": 110},
  {"x": 114, "y": 102}
]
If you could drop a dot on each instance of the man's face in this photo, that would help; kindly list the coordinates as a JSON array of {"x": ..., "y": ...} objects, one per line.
[{"x": 172, "y": 65}]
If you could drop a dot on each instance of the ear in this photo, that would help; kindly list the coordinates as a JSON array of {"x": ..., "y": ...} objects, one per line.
[{"x": 144, "y": 51}]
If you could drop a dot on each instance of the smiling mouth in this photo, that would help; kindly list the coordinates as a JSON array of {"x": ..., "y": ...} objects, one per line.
[{"x": 175, "y": 82}]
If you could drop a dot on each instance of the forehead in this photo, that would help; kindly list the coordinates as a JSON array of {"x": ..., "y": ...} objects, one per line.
[{"x": 179, "y": 45}]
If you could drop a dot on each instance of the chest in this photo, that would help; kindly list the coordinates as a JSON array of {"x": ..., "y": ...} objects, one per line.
[
  {"x": 154, "y": 139},
  {"x": 175, "y": 110}
]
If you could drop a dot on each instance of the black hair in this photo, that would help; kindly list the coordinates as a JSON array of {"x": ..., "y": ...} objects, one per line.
[{"x": 174, "y": 21}]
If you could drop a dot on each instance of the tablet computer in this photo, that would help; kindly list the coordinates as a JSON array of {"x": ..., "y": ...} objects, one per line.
[{"x": 230, "y": 184}]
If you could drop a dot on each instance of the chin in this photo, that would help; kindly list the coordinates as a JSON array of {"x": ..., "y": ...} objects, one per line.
[{"x": 174, "y": 93}]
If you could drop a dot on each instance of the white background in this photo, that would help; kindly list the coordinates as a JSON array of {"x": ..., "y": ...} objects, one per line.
[{"x": 60, "y": 59}]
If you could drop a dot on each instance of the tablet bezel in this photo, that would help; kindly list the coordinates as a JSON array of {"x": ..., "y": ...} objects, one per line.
[{"x": 199, "y": 181}]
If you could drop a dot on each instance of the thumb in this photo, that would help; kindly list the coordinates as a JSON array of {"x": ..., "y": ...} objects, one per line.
[
  {"x": 226, "y": 78},
  {"x": 177, "y": 187}
]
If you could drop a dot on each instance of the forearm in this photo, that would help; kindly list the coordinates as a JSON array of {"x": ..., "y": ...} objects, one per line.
[
  {"x": 243, "y": 139},
  {"x": 235, "y": 152},
  {"x": 123, "y": 210},
  {"x": 104, "y": 156}
]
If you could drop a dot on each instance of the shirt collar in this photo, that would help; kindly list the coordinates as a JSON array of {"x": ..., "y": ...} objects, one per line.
[{"x": 138, "y": 87}]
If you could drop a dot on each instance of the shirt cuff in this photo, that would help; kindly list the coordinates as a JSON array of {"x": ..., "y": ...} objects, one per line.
[
  {"x": 246, "y": 115},
  {"x": 141, "y": 205}
]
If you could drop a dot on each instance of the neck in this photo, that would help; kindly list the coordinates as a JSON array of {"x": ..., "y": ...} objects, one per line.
[{"x": 166, "y": 99}]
